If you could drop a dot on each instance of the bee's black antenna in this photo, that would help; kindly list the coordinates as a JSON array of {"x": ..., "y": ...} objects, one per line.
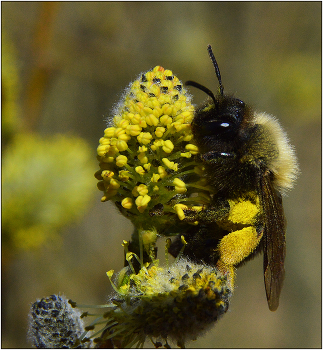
[
  {"x": 216, "y": 67},
  {"x": 201, "y": 87}
]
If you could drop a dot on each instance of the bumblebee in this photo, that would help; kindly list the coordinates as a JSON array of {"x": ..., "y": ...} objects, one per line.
[{"x": 249, "y": 162}]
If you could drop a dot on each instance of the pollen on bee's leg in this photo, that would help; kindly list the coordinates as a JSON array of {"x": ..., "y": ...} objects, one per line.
[{"x": 237, "y": 245}]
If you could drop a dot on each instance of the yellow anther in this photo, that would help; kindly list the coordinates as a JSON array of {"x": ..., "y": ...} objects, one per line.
[
  {"x": 134, "y": 130},
  {"x": 123, "y": 123},
  {"x": 119, "y": 131},
  {"x": 114, "y": 185},
  {"x": 155, "y": 178},
  {"x": 140, "y": 170},
  {"x": 152, "y": 120},
  {"x": 121, "y": 161},
  {"x": 109, "y": 132},
  {"x": 143, "y": 158},
  {"x": 124, "y": 137},
  {"x": 192, "y": 148},
  {"x": 127, "y": 203},
  {"x": 110, "y": 273},
  {"x": 102, "y": 150},
  {"x": 159, "y": 132},
  {"x": 123, "y": 175},
  {"x": 168, "y": 146},
  {"x": 167, "y": 109},
  {"x": 136, "y": 119},
  {"x": 144, "y": 138},
  {"x": 180, "y": 186},
  {"x": 179, "y": 210},
  {"x": 142, "y": 202},
  {"x": 107, "y": 175},
  {"x": 186, "y": 155},
  {"x": 162, "y": 172},
  {"x": 104, "y": 141},
  {"x": 166, "y": 119},
  {"x": 169, "y": 164},
  {"x": 107, "y": 159},
  {"x": 142, "y": 189},
  {"x": 142, "y": 149},
  {"x": 121, "y": 145}
]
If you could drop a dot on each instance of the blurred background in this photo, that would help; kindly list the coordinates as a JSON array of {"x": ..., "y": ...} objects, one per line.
[{"x": 64, "y": 66}]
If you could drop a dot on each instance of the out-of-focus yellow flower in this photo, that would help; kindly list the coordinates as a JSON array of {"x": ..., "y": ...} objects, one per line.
[{"x": 46, "y": 184}]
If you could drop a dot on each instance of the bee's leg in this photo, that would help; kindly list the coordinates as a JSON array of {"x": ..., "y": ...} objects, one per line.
[{"x": 236, "y": 246}]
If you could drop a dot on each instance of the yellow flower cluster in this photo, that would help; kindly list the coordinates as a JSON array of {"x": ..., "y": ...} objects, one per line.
[
  {"x": 176, "y": 303},
  {"x": 145, "y": 165}
]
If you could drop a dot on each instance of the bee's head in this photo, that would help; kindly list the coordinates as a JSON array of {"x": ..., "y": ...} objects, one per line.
[{"x": 219, "y": 119}]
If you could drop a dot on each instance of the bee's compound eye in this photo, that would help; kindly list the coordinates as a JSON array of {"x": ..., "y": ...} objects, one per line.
[{"x": 218, "y": 127}]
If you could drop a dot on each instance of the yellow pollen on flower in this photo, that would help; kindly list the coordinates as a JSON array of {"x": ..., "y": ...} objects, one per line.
[
  {"x": 123, "y": 123},
  {"x": 143, "y": 158},
  {"x": 192, "y": 148},
  {"x": 142, "y": 189},
  {"x": 155, "y": 178},
  {"x": 123, "y": 175},
  {"x": 121, "y": 145},
  {"x": 186, "y": 155},
  {"x": 124, "y": 137},
  {"x": 142, "y": 149},
  {"x": 170, "y": 165},
  {"x": 110, "y": 273},
  {"x": 180, "y": 186},
  {"x": 186, "y": 117},
  {"x": 114, "y": 184},
  {"x": 140, "y": 170},
  {"x": 142, "y": 202},
  {"x": 179, "y": 210},
  {"x": 188, "y": 138},
  {"x": 104, "y": 141},
  {"x": 107, "y": 175},
  {"x": 159, "y": 132},
  {"x": 162, "y": 172},
  {"x": 156, "y": 144},
  {"x": 119, "y": 131},
  {"x": 167, "y": 109},
  {"x": 107, "y": 159},
  {"x": 102, "y": 150},
  {"x": 168, "y": 146},
  {"x": 134, "y": 130},
  {"x": 152, "y": 120},
  {"x": 127, "y": 203},
  {"x": 166, "y": 120},
  {"x": 139, "y": 120},
  {"x": 121, "y": 161},
  {"x": 109, "y": 132},
  {"x": 144, "y": 138}
]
